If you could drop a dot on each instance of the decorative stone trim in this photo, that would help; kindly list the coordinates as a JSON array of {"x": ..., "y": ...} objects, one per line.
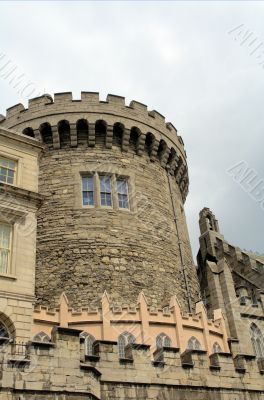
[
  {"x": 92, "y": 369},
  {"x": 136, "y": 115}
]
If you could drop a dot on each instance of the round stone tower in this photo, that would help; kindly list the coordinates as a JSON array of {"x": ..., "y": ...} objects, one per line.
[{"x": 114, "y": 178}]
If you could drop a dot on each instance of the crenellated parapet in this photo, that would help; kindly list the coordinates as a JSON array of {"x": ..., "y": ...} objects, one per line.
[
  {"x": 145, "y": 323},
  {"x": 241, "y": 262},
  {"x": 62, "y": 367},
  {"x": 66, "y": 123},
  {"x": 103, "y": 358},
  {"x": 233, "y": 280}
]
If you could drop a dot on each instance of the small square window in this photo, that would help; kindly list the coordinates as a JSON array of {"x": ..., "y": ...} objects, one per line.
[{"x": 7, "y": 170}]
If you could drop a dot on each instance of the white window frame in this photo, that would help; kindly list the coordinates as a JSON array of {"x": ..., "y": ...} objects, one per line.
[
  {"x": 14, "y": 160},
  {"x": 9, "y": 262},
  {"x": 126, "y": 180},
  {"x": 110, "y": 177},
  {"x": 14, "y": 218},
  {"x": 97, "y": 173},
  {"x": 88, "y": 175},
  {"x": 124, "y": 339},
  {"x": 257, "y": 341}
]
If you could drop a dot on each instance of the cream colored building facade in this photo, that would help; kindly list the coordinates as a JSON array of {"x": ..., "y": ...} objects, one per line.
[
  {"x": 19, "y": 201},
  {"x": 117, "y": 310}
]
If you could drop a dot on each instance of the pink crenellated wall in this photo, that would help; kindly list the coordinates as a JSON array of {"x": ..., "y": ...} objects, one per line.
[{"x": 107, "y": 323}]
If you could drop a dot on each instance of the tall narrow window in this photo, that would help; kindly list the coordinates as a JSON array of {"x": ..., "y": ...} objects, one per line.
[
  {"x": 122, "y": 192},
  {"x": 123, "y": 340},
  {"x": 88, "y": 190},
  {"x": 105, "y": 190},
  {"x": 7, "y": 170},
  {"x": 257, "y": 341},
  {"x": 5, "y": 247}
]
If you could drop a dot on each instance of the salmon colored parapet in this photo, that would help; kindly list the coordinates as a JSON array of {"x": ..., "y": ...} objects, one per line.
[{"x": 108, "y": 322}]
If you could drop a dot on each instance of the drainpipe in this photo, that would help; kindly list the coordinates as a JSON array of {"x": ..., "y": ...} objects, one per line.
[{"x": 179, "y": 245}]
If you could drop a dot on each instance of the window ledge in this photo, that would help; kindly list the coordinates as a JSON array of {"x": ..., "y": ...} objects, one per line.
[
  {"x": 91, "y": 357},
  {"x": 124, "y": 360},
  {"x": 8, "y": 276}
]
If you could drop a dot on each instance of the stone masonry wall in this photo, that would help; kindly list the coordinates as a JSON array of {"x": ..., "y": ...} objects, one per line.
[
  {"x": 59, "y": 370},
  {"x": 87, "y": 251}
]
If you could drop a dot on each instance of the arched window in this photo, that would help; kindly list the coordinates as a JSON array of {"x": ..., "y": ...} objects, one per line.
[
  {"x": 123, "y": 340},
  {"x": 88, "y": 343},
  {"x": 3, "y": 331},
  {"x": 100, "y": 132},
  {"x": 151, "y": 146},
  {"x": 118, "y": 131},
  {"x": 193, "y": 344},
  {"x": 7, "y": 328},
  {"x": 64, "y": 133},
  {"x": 46, "y": 133},
  {"x": 217, "y": 348},
  {"x": 28, "y": 132},
  {"x": 134, "y": 135},
  {"x": 162, "y": 148},
  {"x": 172, "y": 160},
  {"x": 163, "y": 340},
  {"x": 82, "y": 132},
  {"x": 257, "y": 341},
  {"x": 41, "y": 337}
]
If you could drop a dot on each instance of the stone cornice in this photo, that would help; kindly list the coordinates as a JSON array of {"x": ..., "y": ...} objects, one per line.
[
  {"x": 20, "y": 138},
  {"x": 20, "y": 193},
  {"x": 17, "y": 296}
]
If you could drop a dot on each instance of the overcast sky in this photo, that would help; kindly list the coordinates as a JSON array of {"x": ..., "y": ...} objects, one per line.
[{"x": 179, "y": 58}]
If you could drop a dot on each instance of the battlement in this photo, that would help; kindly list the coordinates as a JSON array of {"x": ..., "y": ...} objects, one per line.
[
  {"x": 63, "y": 122},
  {"x": 45, "y": 105},
  {"x": 107, "y": 323},
  {"x": 105, "y": 369},
  {"x": 249, "y": 265}
]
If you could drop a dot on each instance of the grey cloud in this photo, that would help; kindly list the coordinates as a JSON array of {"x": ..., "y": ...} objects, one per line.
[{"x": 178, "y": 58}]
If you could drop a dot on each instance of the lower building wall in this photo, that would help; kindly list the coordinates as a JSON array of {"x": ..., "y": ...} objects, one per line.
[
  {"x": 43, "y": 396},
  {"x": 60, "y": 370},
  {"x": 17, "y": 315},
  {"x": 140, "y": 392}
]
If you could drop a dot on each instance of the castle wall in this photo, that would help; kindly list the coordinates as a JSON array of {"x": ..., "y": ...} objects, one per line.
[
  {"x": 143, "y": 322},
  {"x": 107, "y": 271},
  {"x": 93, "y": 250},
  {"x": 87, "y": 250},
  {"x": 60, "y": 370},
  {"x": 233, "y": 281}
]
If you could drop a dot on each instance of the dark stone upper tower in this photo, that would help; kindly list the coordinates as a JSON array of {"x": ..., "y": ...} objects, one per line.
[{"x": 114, "y": 178}]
